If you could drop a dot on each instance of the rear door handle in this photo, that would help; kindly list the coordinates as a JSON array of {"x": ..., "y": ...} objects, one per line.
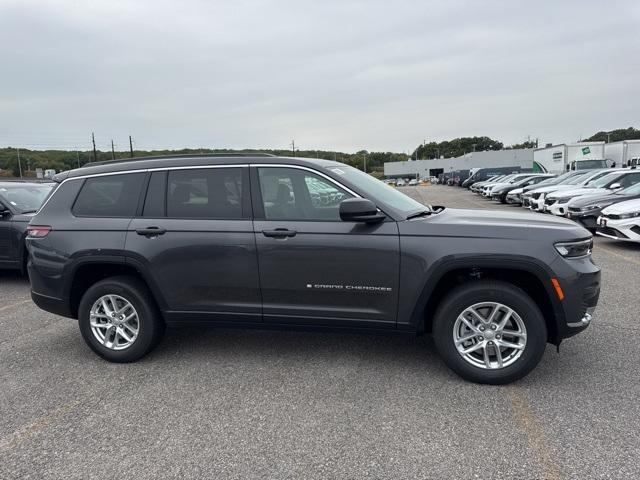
[
  {"x": 151, "y": 231},
  {"x": 279, "y": 233}
]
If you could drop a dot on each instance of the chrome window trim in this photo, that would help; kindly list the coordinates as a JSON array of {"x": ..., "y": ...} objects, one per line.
[{"x": 196, "y": 167}]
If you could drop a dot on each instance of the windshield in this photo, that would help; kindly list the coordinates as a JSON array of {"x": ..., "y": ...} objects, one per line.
[
  {"x": 577, "y": 179},
  {"x": 25, "y": 197},
  {"x": 603, "y": 181},
  {"x": 632, "y": 190},
  {"x": 378, "y": 189}
]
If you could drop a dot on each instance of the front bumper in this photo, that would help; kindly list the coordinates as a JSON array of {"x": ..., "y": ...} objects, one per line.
[
  {"x": 559, "y": 209},
  {"x": 588, "y": 219},
  {"x": 580, "y": 282},
  {"x": 514, "y": 199},
  {"x": 626, "y": 230}
]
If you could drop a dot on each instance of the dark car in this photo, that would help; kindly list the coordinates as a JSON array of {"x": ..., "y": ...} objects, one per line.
[
  {"x": 588, "y": 208},
  {"x": 483, "y": 174},
  {"x": 500, "y": 193},
  {"x": 129, "y": 247},
  {"x": 18, "y": 202}
]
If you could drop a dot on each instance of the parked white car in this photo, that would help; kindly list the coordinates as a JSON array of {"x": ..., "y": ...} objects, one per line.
[
  {"x": 538, "y": 196},
  {"x": 621, "y": 221},
  {"x": 556, "y": 202}
]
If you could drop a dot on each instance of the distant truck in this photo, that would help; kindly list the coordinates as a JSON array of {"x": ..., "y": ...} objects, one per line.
[
  {"x": 569, "y": 156},
  {"x": 625, "y": 153}
]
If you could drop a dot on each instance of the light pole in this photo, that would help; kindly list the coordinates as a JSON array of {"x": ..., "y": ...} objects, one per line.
[{"x": 19, "y": 164}]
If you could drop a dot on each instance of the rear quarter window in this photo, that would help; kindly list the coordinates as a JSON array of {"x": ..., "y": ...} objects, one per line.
[{"x": 109, "y": 196}]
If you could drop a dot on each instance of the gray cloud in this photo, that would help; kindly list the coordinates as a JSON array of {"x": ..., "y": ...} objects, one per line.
[{"x": 331, "y": 74}]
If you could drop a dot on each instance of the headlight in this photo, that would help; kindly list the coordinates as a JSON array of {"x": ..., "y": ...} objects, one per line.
[
  {"x": 590, "y": 207},
  {"x": 561, "y": 199},
  {"x": 629, "y": 215},
  {"x": 577, "y": 249}
]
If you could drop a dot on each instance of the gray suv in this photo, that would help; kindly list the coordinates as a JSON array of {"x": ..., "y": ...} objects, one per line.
[{"x": 244, "y": 241}]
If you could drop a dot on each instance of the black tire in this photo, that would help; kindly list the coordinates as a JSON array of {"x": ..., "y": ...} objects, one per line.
[
  {"x": 505, "y": 293},
  {"x": 151, "y": 324}
]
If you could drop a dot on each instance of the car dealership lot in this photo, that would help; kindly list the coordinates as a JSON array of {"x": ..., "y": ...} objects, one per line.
[{"x": 243, "y": 404}]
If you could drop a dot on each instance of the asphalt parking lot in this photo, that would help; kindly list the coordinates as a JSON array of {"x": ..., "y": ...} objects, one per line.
[{"x": 257, "y": 404}]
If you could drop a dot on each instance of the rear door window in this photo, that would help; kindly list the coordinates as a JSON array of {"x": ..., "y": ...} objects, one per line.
[
  {"x": 109, "y": 196},
  {"x": 214, "y": 193}
]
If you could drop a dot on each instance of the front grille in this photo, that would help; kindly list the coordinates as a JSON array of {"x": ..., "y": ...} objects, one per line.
[
  {"x": 549, "y": 201},
  {"x": 536, "y": 196},
  {"x": 574, "y": 209}
]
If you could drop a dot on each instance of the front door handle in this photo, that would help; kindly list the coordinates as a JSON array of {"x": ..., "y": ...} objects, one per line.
[
  {"x": 279, "y": 233},
  {"x": 151, "y": 231}
]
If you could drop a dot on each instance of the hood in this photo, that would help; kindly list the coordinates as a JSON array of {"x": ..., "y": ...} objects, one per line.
[
  {"x": 604, "y": 198},
  {"x": 577, "y": 192},
  {"x": 516, "y": 191},
  {"x": 623, "y": 207},
  {"x": 496, "y": 224},
  {"x": 552, "y": 188}
]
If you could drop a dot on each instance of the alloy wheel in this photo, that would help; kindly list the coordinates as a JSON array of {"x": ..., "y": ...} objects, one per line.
[{"x": 490, "y": 335}]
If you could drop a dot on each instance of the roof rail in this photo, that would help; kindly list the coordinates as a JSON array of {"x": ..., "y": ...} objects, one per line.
[{"x": 177, "y": 155}]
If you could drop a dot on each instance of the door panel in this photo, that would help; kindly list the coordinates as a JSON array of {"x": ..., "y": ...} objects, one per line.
[
  {"x": 315, "y": 268},
  {"x": 329, "y": 272},
  {"x": 207, "y": 266},
  {"x": 199, "y": 245}
]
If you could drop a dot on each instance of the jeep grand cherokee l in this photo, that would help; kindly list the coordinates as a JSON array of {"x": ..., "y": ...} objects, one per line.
[{"x": 129, "y": 247}]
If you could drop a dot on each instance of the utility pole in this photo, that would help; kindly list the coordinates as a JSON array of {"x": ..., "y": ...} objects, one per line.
[
  {"x": 78, "y": 157},
  {"x": 19, "y": 164},
  {"x": 93, "y": 139},
  {"x": 608, "y": 138},
  {"x": 364, "y": 155},
  {"x": 293, "y": 147},
  {"x": 130, "y": 146},
  {"x": 113, "y": 151},
  {"x": 474, "y": 146}
]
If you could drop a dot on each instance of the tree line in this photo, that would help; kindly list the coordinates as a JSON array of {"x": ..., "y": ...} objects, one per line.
[{"x": 61, "y": 160}]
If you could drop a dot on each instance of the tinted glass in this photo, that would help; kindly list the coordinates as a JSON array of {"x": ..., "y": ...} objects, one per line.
[
  {"x": 109, "y": 196},
  {"x": 154, "y": 204},
  {"x": 629, "y": 179},
  {"x": 205, "y": 193},
  {"x": 379, "y": 190},
  {"x": 293, "y": 194}
]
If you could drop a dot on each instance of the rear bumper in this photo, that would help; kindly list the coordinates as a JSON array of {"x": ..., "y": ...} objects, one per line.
[{"x": 53, "y": 305}]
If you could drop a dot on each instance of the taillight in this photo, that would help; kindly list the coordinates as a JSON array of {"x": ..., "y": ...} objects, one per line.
[{"x": 38, "y": 231}]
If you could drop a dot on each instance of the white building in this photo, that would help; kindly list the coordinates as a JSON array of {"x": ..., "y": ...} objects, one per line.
[{"x": 522, "y": 157}]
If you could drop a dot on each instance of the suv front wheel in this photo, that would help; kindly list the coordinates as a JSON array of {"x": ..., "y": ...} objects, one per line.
[
  {"x": 119, "y": 319},
  {"x": 490, "y": 332}
]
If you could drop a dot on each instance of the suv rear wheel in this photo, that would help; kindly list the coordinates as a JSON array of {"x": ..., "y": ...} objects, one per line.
[
  {"x": 490, "y": 332},
  {"x": 119, "y": 319}
]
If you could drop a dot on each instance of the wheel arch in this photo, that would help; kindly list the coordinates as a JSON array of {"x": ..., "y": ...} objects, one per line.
[
  {"x": 87, "y": 271},
  {"x": 527, "y": 273}
]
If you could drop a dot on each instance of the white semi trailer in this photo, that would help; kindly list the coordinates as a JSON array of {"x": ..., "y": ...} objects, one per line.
[
  {"x": 569, "y": 156},
  {"x": 623, "y": 153}
]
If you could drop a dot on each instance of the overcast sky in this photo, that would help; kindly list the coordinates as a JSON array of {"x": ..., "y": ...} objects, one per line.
[{"x": 344, "y": 74}]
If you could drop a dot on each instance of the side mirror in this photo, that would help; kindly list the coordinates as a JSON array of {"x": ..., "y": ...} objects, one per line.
[
  {"x": 615, "y": 186},
  {"x": 4, "y": 210},
  {"x": 360, "y": 210}
]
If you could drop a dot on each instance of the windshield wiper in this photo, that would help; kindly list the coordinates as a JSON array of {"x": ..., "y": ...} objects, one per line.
[{"x": 29, "y": 211}]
